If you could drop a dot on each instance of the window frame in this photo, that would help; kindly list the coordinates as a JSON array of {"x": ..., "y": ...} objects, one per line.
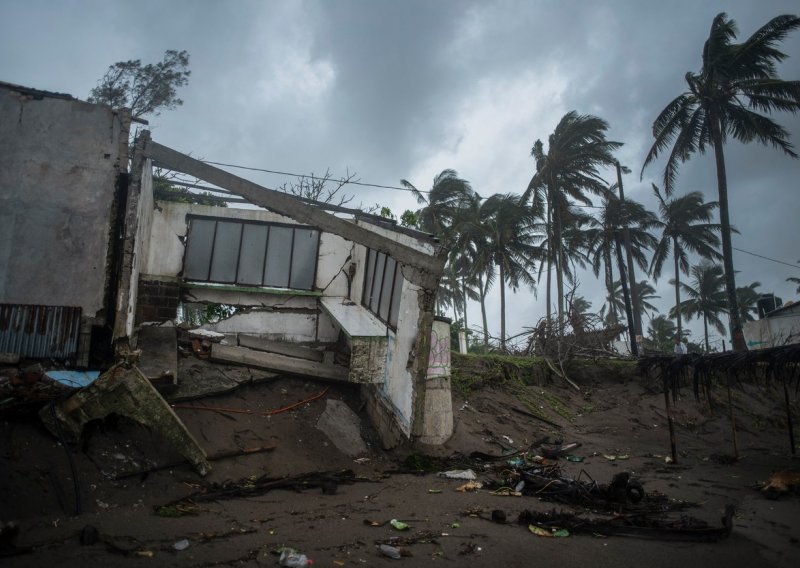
[
  {"x": 190, "y": 217},
  {"x": 394, "y": 293}
]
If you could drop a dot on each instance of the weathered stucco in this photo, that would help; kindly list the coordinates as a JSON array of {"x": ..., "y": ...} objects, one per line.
[{"x": 59, "y": 163}]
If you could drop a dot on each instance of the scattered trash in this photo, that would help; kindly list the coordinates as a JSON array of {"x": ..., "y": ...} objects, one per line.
[
  {"x": 73, "y": 379},
  {"x": 507, "y": 439},
  {"x": 144, "y": 553},
  {"x": 516, "y": 461},
  {"x": 576, "y": 459},
  {"x": 182, "y": 544},
  {"x": 781, "y": 482},
  {"x": 434, "y": 491},
  {"x": 541, "y": 531},
  {"x": 519, "y": 486},
  {"x": 291, "y": 558},
  {"x": 687, "y": 529},
  {"x": 455, "y": 526},
  {"x": 469, "y": 486},
  {"x": 399, "y": 525},
  {"x": 612, "y": 457},
  {"x": 555, "y": 453},
  {"x": 390, "y": 551},
  {"x": 506, "y": 492},
  {"x": 459, "y": 474}
]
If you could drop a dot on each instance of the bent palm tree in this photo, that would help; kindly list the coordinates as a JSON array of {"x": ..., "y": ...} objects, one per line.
[
  {"x": 512, "y": 245},
  {"x": 736, "y": 83},
  {"x": 705, "y": 297},
  {"x": 601, "y": 239},
  {"x": 685, "y": 227},
  {"x": 577, "y": 148},
  {"x": 748, "y": 298},
  {"x": 446, "y": 196}
]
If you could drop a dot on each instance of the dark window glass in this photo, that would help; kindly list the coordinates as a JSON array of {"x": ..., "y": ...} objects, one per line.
[
  {"x": 394, "y": 311},
  {"x": 386, "y": 292},
  {"x": 198, "y": 249},
  {"x": 304, "y": 258},
  {"x": 367, "y": 295},
  {"x": 279, "y": 257},
  {"x": 226, "y": 252},
  {"x": 252, "y": 255},
  {"x": 377, "y": 282}
]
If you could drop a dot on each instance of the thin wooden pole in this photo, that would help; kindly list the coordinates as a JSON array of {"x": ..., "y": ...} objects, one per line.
[
  {"x": 733, "y": 420},
  {"x": 673, "y": 447},
  {"x": 788, "y": 412}
]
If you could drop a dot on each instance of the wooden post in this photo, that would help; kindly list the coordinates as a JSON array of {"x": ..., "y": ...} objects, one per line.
[
  {"x": 672, "y": 445},
  {"x": 733, "y": 419},
  {"x": 788, "y": 411}
]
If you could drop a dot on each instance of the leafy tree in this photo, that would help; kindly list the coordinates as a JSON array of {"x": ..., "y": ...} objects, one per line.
[
  {"x": 144, "y": 89},
  {"x": 601, "y": 239},
  {"x": 748, "y": 297},
  {"x": 705, "y": 297},
  {"x": 736, "y": 84},
  {"x": 615, "y": 304},
  {"x": 569, "y": 169},
  {"x": 685, "y": 224},
  {"x": 410, "y": 219},
  {"x": 661, "y": 333},
  {"x": 164, "y": 190},
  {"x": 447, "y": 195}
]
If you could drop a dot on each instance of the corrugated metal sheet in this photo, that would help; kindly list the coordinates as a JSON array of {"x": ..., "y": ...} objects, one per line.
[{"x": 39, "y": 332}]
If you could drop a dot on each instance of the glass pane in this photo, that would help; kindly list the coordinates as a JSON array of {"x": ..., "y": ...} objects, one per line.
[
  {"x": 367, "y": 294},
  {"x": 279, "y": 254},
  {"x": 251, "y": 258},
  {"x": 304, "y": 258},
  {"x": 377, "y": 283},
  {"x": 394, "y": 312},
  {"x": 198, "y": 249},
  {"x": 226, "y": 252},
  {"x": 386, "y": 295}
]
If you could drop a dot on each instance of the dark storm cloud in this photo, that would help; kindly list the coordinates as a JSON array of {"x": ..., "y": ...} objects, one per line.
[{"x": 406, "y": 89}]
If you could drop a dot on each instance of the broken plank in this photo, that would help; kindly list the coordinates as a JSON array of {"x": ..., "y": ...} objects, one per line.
[
  {"x": 280, "y": 347},
  {"x": 276, "y": 362}
]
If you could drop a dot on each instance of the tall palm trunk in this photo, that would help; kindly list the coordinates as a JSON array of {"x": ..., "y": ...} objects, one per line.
[
  {"x": 705, "y": 330},
  {"x": 502, "y": 307},
  {"x": 612, "y": 311},
  {"x": 559, "y": 269},
  {"x": 464, "y": 297},
  {"x": 677, "y": 288},
  {"x": 549, "y": 226},
  {"x": 483, "y": 315},
  {"x": 737, "y": 336}
]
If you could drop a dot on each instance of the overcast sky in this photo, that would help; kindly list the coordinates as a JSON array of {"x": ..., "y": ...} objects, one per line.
[{"x": 395, "y": 90}]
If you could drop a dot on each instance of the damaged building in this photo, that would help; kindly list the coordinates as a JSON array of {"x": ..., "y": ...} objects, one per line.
[{"x": 91, "y": 263}]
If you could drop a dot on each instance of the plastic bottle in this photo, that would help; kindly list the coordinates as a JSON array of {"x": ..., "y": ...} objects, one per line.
[{"x": 293, "y": 559}]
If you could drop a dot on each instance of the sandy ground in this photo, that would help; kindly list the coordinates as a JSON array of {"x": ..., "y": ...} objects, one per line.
[{"x": 609, "y": 417}]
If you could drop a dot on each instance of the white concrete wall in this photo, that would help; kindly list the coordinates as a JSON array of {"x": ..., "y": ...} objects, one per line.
[
  {"x": 59, "y": 162},
  {"x": 779, "y": 329},
  {"x": 141, "y": 247}
]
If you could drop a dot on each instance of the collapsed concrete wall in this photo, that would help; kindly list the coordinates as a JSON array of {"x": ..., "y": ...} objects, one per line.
[{"x": 60, "y": 165}]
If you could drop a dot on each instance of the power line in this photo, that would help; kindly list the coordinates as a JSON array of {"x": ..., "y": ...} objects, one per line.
[
  {"x": 313, "y": 177},
  {"x": 767, "y": 258}
]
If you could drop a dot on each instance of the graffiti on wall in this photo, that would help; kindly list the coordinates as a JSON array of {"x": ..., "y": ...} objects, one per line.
[{"x": 439, "y": 358}]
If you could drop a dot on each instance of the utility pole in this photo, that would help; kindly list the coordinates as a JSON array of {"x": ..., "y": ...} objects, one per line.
[{"x": 626, "y": 237}]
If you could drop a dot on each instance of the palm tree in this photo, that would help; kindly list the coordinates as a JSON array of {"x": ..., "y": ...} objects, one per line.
[
  {"x": 748, "y": 297},
  {"x": 706, "y": 297},
  {"x": 736, "y": 81},
  {"x": 602, "y": 235},
  {"x": 446, "y": 196},
  {"x": 471, "y": 240},
  {"x": 511, "y": 243},
  {"x": 569, "y": 169},
  {"x": 661, "y": 333},
  {"x": 795, "y": 280},
  {"x": 685, "y": 227},
  {"x": 614, "y": 303}
]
